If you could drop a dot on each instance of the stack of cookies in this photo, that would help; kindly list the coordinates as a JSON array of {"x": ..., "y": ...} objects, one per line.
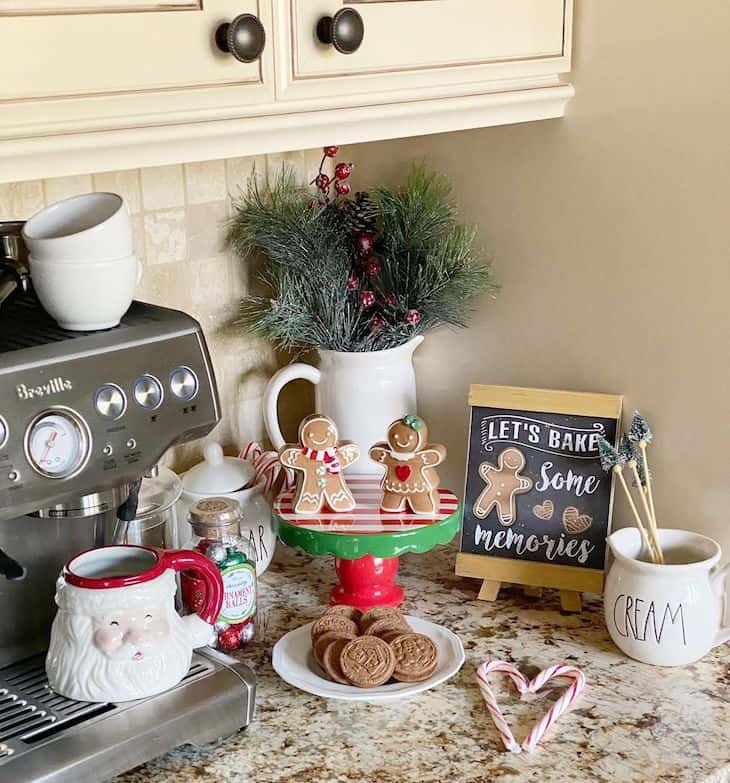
[{"x": 367, "y": 650}]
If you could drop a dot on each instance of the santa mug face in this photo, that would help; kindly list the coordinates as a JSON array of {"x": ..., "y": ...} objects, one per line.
[
  {"x": 117, "y": 636},
  {"x": 132, "y": 634}
]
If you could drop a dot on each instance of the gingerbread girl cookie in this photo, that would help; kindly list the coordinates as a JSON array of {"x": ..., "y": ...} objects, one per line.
[
  {"x": 320, "y": 457},
  {"x": 504, "y": 483},
  {"x": 409, "y": 461}
]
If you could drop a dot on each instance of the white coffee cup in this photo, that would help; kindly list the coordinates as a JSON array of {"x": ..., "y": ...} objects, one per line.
[
  {"x": 672, "y": 614},
  {"x": 86, "y": 296},
  {"x": 87, "y": 228}
]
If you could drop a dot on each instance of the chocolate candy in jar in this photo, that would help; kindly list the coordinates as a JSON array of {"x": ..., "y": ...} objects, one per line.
[{"x": 216, "y": 533}]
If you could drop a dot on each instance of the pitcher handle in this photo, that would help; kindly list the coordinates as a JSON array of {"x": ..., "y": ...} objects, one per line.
[
  {"x": 278, "y": 381},
  {"x": 719, "y": 576},
  {"x": 188, "y": 560}
]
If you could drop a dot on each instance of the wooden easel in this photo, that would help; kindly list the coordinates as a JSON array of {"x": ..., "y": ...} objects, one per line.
[{"x": 496, "y": 572}]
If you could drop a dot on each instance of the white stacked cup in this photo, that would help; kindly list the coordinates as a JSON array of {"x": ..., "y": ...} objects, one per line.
[{"x": 82, "y": 261}]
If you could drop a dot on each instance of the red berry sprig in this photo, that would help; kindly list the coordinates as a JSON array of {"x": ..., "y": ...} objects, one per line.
[
  {"x": 343, "y": 170},
  {"x": 353, "y": 282},
  {"x": 364, "y": 243},
  {"x": 372, "y": 268},
  {"x": 366, "y": 298},
  {"x": 324, "y": 183},
  {"x": 376, "y": 323},
  {"x": 413, "y": 317}
]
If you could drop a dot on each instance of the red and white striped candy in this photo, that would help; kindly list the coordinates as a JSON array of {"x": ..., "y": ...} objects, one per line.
[
  {"x": 564, "y": 703},
  {"x": 266, "y": 465}
]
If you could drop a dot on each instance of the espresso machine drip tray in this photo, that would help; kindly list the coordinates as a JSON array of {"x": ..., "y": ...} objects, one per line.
[{"x": 47, "y": 737}]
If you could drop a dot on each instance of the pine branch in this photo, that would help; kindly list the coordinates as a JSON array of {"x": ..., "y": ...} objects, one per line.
[{"x": 429, "y": 264}]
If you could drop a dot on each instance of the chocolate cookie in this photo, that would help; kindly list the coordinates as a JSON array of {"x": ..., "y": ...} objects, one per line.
[
  {"x": 377, "y": 613},
  {"x": 324, "y": 639},
  {"x": 367, "y": 662},
  {"x": 331, "y": 660},
  {"x": 390, "y": 622},
  {"x": 350, "y": 612},
  {"x": 391, "y": 636},
  {"x": 333, "y": 622},
  {"x": 416, "y": 657}
]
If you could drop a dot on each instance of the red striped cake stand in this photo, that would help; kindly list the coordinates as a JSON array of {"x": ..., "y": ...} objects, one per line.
[{"x": 366, "y": 542}]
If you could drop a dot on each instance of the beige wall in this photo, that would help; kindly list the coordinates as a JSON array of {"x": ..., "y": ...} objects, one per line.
[
  {"x": 611, "y": 236},
  {"x": 179, "y": 214}
]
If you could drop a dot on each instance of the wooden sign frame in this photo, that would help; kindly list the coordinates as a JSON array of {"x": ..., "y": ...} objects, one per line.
[{"x": 496, "y": 571}]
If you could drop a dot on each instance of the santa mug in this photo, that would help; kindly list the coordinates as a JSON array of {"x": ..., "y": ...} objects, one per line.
[{"x": 117, "y": 636}]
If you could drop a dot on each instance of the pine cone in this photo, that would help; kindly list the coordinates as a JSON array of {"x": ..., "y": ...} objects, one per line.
[{"x": 362, "y": 214}]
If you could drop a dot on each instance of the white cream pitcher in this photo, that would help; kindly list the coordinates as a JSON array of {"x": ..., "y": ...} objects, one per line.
[
  {"x": 671, "y": 614},
  {"x": 362, "y": 392}
]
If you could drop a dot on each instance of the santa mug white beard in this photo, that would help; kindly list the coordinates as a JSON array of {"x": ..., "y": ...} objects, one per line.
[{"x": 116, "y": 636}]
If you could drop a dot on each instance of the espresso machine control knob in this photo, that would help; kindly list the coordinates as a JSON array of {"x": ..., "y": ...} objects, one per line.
[
  {"x": 3, "y": 432},
  {"x": 183, "y": 383},
  {"x": 148, "y": 392},
  {"x": 110, "y": 402}
]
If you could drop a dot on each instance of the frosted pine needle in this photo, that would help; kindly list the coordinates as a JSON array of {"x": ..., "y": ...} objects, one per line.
[
  {"x": 609, "y": 455},
  {"x": 641, "y": 468},
  {"x": 640, "y": 429},
  {"x": 626, "y": 450}
]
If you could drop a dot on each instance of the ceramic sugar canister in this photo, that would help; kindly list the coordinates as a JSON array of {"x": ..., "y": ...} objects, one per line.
[{"x": 221, "y": 476}]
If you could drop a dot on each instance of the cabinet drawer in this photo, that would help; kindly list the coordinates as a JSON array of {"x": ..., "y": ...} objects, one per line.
[
  {"x": 411, "y": 43},
  {"x": 106, "y": 63}
]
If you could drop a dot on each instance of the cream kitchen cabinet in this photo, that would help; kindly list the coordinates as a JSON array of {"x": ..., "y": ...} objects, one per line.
[{"x": 90, "y": 85}]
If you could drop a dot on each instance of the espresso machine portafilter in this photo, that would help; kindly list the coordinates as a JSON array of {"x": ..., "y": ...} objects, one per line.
[{"x": 83, "y": 415}]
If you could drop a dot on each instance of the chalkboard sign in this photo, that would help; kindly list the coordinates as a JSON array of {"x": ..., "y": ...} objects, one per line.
[{"x": 537, "y": 505}]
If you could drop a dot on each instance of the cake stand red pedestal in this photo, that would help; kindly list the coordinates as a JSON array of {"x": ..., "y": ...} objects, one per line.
[{"x": 366, "y": 542}]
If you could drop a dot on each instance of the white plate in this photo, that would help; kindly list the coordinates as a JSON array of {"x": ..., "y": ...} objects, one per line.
[{"x": 294, "y": 662}]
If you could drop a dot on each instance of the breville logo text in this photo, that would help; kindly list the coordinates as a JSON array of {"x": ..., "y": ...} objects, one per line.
[{"x": 54, "y": 386}]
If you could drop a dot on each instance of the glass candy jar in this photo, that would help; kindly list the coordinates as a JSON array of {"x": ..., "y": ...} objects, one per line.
[{"x": 216, "y": 533}]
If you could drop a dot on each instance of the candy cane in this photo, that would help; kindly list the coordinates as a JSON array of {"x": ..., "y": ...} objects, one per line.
[
  {"x": 508, "y": 738},
  {"x": 523, "y": 686},
  {"x": 564, "y": 703},
  {"x": 266, "y": 465}
]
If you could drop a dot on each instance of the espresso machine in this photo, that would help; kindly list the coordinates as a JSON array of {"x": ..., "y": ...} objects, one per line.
[{"x": 83, "y": 415}]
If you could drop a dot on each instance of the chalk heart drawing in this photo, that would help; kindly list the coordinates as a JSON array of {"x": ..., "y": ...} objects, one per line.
[
  {"x": 574, "y": 521},
  {"x": 545, "y": 510}
]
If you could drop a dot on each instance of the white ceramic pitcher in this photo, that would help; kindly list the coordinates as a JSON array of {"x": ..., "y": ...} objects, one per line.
[
  {"x": 362, "y": 392},
  {"x": 672, "y": 614}
]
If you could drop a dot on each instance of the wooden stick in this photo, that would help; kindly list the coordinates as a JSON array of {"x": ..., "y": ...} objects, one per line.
[
  {"x": 651, "y": 526},
  {"x": 617, "y": 469}
]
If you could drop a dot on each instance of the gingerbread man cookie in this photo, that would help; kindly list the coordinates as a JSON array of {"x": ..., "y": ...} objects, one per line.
[
  {"x": 409, "y": 461},
  {"x": 504, "y": 483},
  {"x": 320, "y": 457}
]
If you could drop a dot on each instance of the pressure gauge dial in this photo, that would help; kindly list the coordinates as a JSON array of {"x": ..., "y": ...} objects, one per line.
[{"x": 57, "y": 443}]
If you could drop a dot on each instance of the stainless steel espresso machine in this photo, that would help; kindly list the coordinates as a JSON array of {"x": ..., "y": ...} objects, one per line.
[{"x": 83, "y": 415}]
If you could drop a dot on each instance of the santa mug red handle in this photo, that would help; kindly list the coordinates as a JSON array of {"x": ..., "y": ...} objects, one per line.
[{"x": 187, "y": 560}]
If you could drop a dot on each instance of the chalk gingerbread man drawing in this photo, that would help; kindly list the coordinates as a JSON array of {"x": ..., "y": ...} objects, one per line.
[
  {"x": 503, "y": 483},
  {"x": 320, "y": 457},
  {"x": 410, "y": 462}
]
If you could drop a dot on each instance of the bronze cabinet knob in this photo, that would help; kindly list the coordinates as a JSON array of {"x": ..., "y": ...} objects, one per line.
[{"x": 345, "y": 30}]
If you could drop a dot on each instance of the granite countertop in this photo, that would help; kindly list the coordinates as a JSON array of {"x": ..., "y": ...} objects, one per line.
[{"x": 634, "y": 723}]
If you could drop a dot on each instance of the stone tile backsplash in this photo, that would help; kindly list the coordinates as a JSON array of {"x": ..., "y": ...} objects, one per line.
[{"x": 179, "y": 215}]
